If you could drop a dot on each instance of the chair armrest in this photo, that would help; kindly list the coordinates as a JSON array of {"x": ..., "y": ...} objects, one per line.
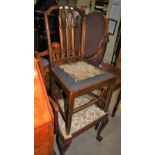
[
  {"x": 43, "y": 53},
  {"x": 54, "y": 105},
  {"x": 110, "y": 68},
  {"x": 55, "y": 109},
  {"x": 116, "y": 71}
]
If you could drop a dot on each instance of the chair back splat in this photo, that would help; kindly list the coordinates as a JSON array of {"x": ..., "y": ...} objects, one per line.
[{"x": 69, "y": 19}]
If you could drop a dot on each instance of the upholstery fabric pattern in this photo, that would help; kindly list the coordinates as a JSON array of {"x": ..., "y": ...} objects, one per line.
[
  {"x": 79, "y": 101},
  {"x": 70, "y": 82},
  {"x": 81, "y": 70},
  {"x": 81, "y": 118}
]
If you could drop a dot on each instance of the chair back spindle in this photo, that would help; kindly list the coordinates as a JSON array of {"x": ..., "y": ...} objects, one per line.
[
  {"x": 72, "y": 30},
  {"x": 48, "y": 37},
  {"x": 67, "y": 34},
  {"x": 83, "y": 36},
  {"x": 61, "y": 35},
  {"x": 68, "y": 51}
]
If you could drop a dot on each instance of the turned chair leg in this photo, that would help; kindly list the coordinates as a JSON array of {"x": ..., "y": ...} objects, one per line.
[
  {"x": 97, "y": 126},
  {"x": 62, "y": 145},
  {"x": 102, "y": 126}
]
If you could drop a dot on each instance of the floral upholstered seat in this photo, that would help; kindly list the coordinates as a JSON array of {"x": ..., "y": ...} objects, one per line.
[
  {"x": 81, "y": 70},
  {"x": 83, "y": 117}
]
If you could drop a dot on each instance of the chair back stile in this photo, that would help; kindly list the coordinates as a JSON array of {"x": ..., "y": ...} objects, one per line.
[
  {"x": 83, "y": 36},
  {"x": 48, "y": 37},
  {"x": 68, "y": 52},
  {"x": 61, "y": 35}
]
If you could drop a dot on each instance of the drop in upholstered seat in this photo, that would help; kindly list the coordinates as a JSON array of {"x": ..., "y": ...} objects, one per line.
[
  {"x": 82, "y": 118},
  {"x": 74, "y": 81}
]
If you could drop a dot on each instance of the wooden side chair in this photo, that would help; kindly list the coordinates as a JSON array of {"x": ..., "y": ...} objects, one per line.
[
  {"x": 94, "y": 52},
  {"x": 75, "y": 78}
]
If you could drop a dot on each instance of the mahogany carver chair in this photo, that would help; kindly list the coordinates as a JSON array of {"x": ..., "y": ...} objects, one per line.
[{"x": 75, "y": 78}]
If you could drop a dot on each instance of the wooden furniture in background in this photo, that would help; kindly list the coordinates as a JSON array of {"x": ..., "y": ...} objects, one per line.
[
  {"x": 43, "y": 117},
  {"x": 118, "y": 60},
  {"x": 116, "y": 70},
  {"x": 101, "y": 6},
  {"x": 117, "y": 85},
  {"x": 44, "y": 68},
  {"x": 95, "y": 53},
  {"x": 76, "y": 116}
]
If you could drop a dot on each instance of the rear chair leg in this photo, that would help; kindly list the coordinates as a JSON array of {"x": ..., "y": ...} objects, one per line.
[
  {"x": 97, "y": 126},
  {"x": 102, "y": 126}
]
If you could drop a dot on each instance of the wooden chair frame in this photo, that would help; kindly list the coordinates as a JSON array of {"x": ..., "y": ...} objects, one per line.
[
  {"x": 64, "y": 143},
  {"x": 102, "y": 46},
  {"x": 67, "y": 55}
]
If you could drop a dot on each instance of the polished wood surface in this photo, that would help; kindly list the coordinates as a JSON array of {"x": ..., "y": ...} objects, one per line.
[
  {"x": 43, "y": 117},
  {"x": 69, "y": 53},
  {"x": 116, "y": 71},
  {"x": 117, "y": 85},
  {"x": 118, "y": 61}
]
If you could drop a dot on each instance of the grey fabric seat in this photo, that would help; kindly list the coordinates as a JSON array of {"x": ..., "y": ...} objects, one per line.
[{"x": 71, "y": 84}]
